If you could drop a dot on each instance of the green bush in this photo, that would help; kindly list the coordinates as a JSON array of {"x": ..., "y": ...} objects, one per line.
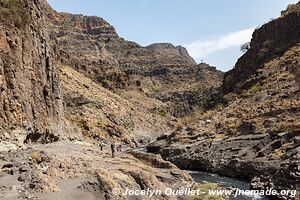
[
  {"x": 277, "y": 51},
  {"x": 13, "y": 13},
  {"x": 105, "y": 83},
  {"x": 255, "y": 88},
  {"x": 264, "y": 76}
]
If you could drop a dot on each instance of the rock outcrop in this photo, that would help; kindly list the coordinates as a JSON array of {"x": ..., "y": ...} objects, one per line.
[
  {"x": 30, "y": 95},
  {"x": 170, "y": 50},
  {"x": 269, "y": 41},
  {"x": 145, "y": 87}
]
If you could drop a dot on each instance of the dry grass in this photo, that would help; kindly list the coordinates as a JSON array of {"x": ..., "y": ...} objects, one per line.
[
  {"x": 291, "y": 127},
  {"x": 281, "y": 151},
  {"x": 290, "y": 9},
  {"x": 36, "y": 156}
]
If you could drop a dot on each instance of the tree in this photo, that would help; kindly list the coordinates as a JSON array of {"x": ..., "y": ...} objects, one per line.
[{"x": 245, "y": 47}]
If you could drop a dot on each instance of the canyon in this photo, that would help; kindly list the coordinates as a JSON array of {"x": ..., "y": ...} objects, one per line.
[{"x": 69, "y": 82}]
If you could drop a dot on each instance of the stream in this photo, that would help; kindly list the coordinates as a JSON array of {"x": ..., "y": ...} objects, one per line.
[{"x": 225, "y": 182}]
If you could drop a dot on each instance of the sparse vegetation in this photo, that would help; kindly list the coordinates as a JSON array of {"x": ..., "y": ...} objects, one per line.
[
  {"x": 13, "y": 13},
  {"x": 290, "y": 8},
  {"x": 66, "y": 24},
  {"x": 255, "y": 88},
  {"x": 277, "y": 51},
  {"x": 159, "y": 110},
  {"x": 245, "y": 47}
]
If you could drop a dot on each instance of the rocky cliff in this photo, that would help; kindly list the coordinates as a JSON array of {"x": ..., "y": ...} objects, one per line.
[
  {"x": 44, "y": 80},
  {"x": 59, "y": 65},
  {"x": 30, "y": 96},
  {"x": 170, "y": 50},
  {"x": 256, "y": 135},
  {"x": 148, "y": 85},
  {"x": 268, "y": 42}
]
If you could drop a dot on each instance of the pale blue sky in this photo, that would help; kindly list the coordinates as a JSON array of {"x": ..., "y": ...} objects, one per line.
[{"x": 212, "y": 30}]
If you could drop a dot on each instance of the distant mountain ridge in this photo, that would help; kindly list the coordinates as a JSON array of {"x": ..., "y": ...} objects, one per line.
[{"x": 159, "y": 79}]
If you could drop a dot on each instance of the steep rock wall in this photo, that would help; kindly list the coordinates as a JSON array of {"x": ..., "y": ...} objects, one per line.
[
  {"x": 30, "y": 97},
  {"x": 269, "y": 41}
]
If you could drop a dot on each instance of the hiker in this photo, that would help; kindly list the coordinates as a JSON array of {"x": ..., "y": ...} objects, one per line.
[
  {"x": 101, "y": 145},
  {"x": 113, "y": 149},
  {"x": 210, "y": 143}
]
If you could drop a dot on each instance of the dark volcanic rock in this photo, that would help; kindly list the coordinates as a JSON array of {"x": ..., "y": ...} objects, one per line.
[
  {"x": 269, "y": 41},
  {"x": 235, "y": 157}
]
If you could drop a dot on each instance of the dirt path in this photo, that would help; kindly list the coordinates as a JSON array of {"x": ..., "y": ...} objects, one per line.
[{"x": 77, "y": 170}]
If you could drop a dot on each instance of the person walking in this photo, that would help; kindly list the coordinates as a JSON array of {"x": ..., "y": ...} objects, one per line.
[
  {"x": 102, "y": 145},
  {"x": 113, "y": 149}
]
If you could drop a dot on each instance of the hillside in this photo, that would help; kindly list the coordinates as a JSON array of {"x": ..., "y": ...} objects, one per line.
[
  {"x": 254, "y": 131},
  {"x": 153, "y": 84},
  {"x": 269, "y": 41},
  {"x": 52, "y": 118}
]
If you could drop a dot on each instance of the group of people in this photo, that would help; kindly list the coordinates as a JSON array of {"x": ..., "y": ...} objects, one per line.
[{"x": 113, "y": 148}]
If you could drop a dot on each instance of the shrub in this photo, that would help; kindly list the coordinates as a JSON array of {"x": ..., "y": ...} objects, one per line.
[
  {"x": 106, "y": 84},
  {"x": 36, "y": 156},
  {"x": 277, "y": 51},
  {"x": 255, "y": 88},
  {"x": 179, "y": 127},
  {"x": 66, "y": 24},
  {"x": 245, "y": 47},
  {"x": 13, "y": 13},
  {"x": 264, "y": 76},
  {"x": 159, "y": 110}
]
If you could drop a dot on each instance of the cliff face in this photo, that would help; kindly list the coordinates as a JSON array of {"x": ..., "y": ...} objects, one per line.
[
  {"x": 30, "y": 97},
  {"x": 256, "y": 135},
  {"x": 91, "y": 46},
  {"x": 91, "y": 25},
  {"x": 269, "y": 41},
  {"x": 170, "y": 50},
  {"x": 111, "y": 87},
  {"x": 142, "y": 88}
]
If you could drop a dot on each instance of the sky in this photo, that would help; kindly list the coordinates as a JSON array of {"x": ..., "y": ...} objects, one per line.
[{"x": 211, "y": 30}]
